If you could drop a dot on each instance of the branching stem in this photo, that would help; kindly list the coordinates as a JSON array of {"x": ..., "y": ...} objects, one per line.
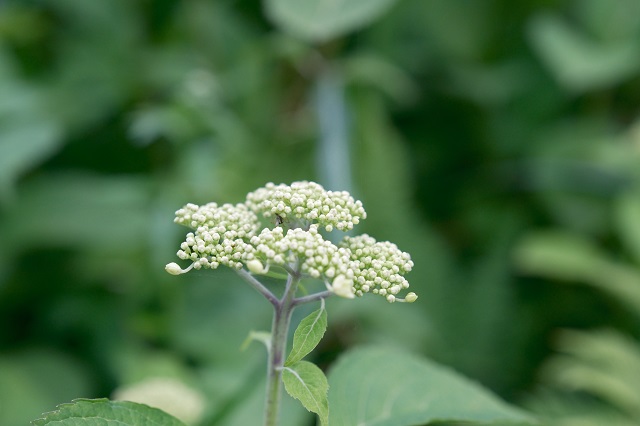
[
  {"x": 312, "y": 298},
  {"x": 277, "y": 352},
  {"x": 282, "y": 310},
  {"x": 258, "y": 286}
]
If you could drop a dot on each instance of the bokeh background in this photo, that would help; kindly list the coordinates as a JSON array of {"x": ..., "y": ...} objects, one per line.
[{"x": 496, "y": 141}]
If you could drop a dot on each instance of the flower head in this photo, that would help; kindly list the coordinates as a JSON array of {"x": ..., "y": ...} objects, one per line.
[
  {"x": 307, "y": 203},
  {"x": 228, "y": 235},
  {"x": 220, "y": 235},
  {"x": 317, "y": 257},
  {"x": 377, "y": 267}
]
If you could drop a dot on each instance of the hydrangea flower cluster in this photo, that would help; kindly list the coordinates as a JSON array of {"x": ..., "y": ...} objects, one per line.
[
  {"x": 309, "y": 203},
  {"x": 377, "y": 267},
  {"x": 318, "y": 258},
  {"x": 220, "y": 237},
  {"x": 228, "y": 235}
]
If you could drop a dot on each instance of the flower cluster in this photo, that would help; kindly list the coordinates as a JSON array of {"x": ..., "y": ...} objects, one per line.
[
  {"x": 377, "y": 267},
  {"x": 233, "y": 220},
  {"x": 318, "y": 258},
  {"x": 219, "y": 238},
  {"x": 228, "y": 235},
  {"x": 308, "y": 202}
]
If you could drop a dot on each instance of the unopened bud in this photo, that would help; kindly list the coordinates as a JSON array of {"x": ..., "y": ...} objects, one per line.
[
  {"x": 343, "y": 287},
  {"x": 256, "y": 267},
  {"x": 174, "y": 269}
]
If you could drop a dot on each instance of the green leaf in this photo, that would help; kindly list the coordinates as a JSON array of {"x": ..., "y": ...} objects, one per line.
[
  {"x": 308, "y": 335},
  {"x": 387, "y": 387},
  {"x": 306, "y": 382},
  {"x": 321, "y": 20},
  {"x": 97, "y": 412}
]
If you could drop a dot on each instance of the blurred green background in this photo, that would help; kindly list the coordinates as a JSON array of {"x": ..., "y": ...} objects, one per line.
[{"x": 496, "y": 141}]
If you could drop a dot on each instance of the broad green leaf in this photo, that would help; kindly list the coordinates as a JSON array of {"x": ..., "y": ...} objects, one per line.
[
  {"x": 308, "y": 335},
  {"x": 378, "y": 386},
  {"x": 321, "y": 20},
  {"x": 306, "y": 382},
  {"x": 98, "y": 412}
]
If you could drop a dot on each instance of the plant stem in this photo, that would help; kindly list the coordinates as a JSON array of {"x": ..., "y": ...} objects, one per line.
[
  {"x": 279, "y": 332},
  {"x": 312, "y": 298},
  {"x": 258, "y": 286}
]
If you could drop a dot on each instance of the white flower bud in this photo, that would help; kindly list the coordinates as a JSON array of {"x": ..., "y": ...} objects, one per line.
[
  {"x": 343, "y": 287},
  {"x": 256, "y": 267},
  {"x": 175, "y": 269},
  {"x": 411, "y": 297}
]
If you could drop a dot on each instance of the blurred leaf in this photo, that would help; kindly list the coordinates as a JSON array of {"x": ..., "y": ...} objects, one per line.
[
  {"x": 321, "y": 20},
  {"x": 562, "y": 409},
  {"x": 27, "y": 134},
  {"x": 170, "y": 395},
  {"x": 97, "y": 412},
  {"x": 306, "y": 382},
  {"x": 610, "y": 19},
  {"x": 263, "y": 337},
  {"x": 388, "y": 387},
  {"x": 35, "y": 381},
  {"x": 23, "y": 146},
  {"x": 560, "y": 255},
  {"x": 603, "y": 363},
  {"x": 79, "y": 210},
  {"x": 570, "y": 257},
  {"x": 628, "y": 222},
  {"x": 308, "y": 335},
  {"x": 372, "y": 69},
  {"x": 577, "y": 63}
]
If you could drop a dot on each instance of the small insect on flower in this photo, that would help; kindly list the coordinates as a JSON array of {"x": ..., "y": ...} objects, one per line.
[{"x": 279, "y": 220}]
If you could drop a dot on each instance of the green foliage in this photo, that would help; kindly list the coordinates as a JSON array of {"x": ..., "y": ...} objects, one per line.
[
  {"x": 577, "y": 62},
  {"x": 307, "y": 335},
  {"x": 321, "y": 20},
  {"x": 306, "y": 382},
  {"x": 474, "y": 133},
  {"x": 603, "y": 364},
  {"x": 37, "y": 380},
  {"x": 381, "y": 386},
  {"x": 94, "y": 412}
]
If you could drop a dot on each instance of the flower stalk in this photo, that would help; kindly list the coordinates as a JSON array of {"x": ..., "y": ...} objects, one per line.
[{"x": 277, "y": 351}]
